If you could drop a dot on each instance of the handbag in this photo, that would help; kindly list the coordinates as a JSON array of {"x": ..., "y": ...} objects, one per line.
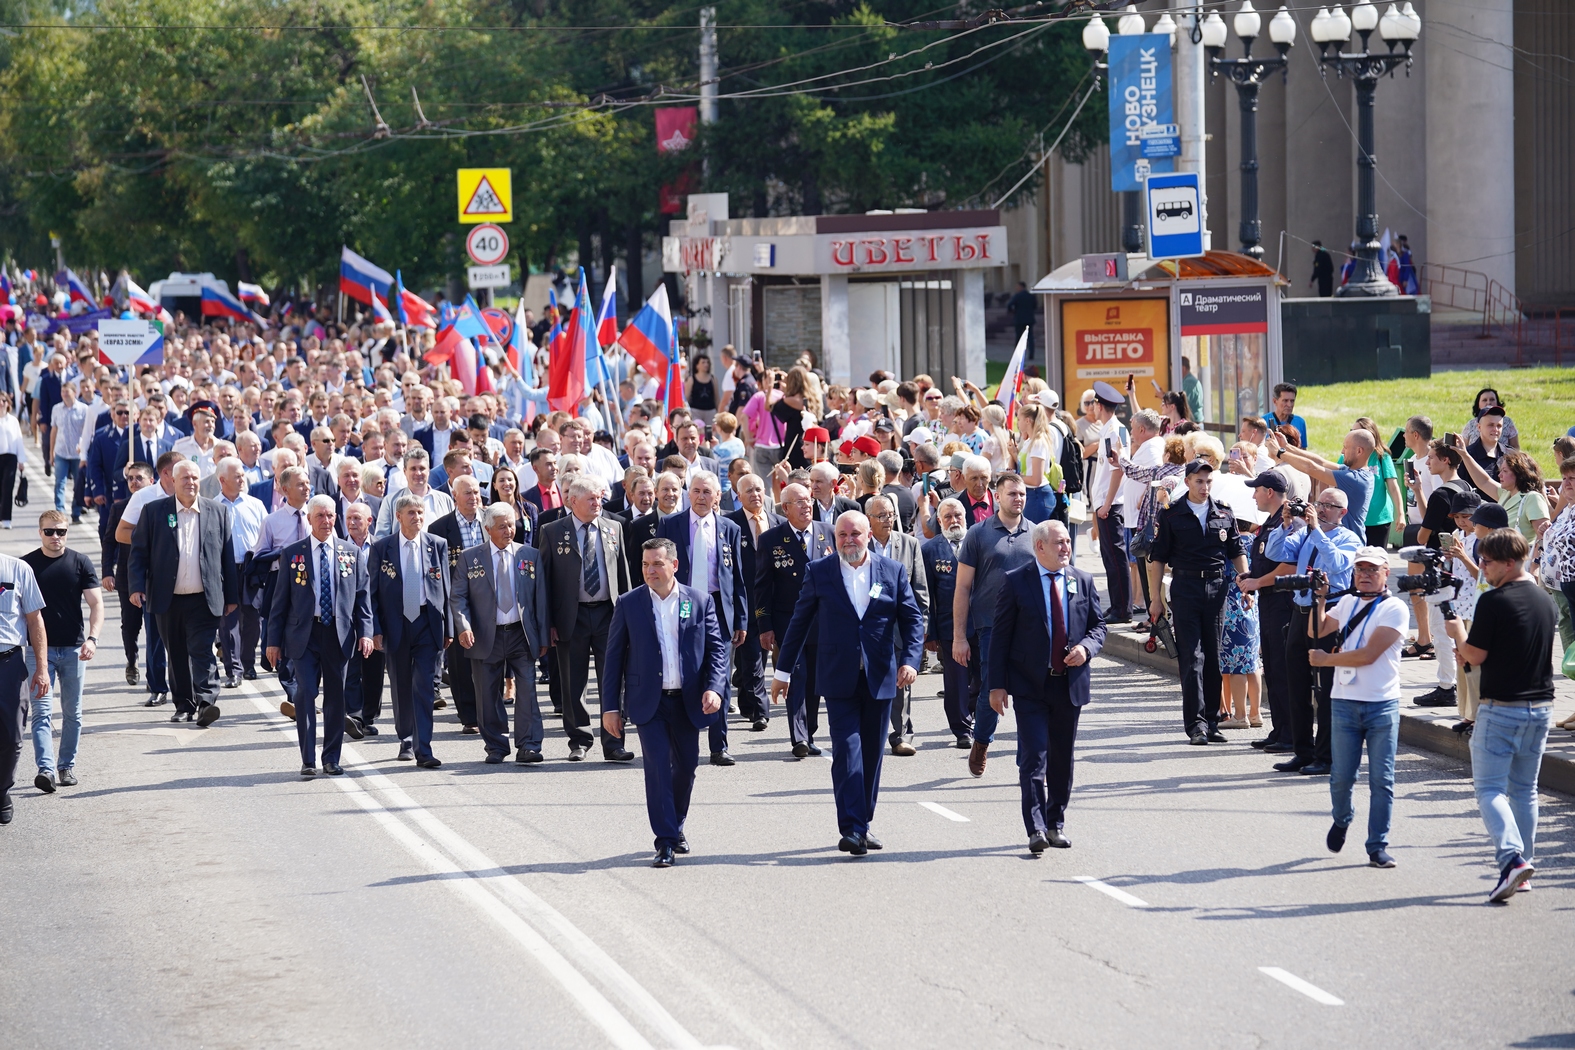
[
  {"x": 21, "y": 492},
  {"x": 1076, "y": 510}
]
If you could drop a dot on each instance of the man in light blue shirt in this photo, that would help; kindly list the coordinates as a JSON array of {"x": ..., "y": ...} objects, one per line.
[
  {"x": 241, "y": 629},
  {"x": 67, "y": 421},
  {"x": 1356, "y": 482},
  {"x": 21, "y": 625}
]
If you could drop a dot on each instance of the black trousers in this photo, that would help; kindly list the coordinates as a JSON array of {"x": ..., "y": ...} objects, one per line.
[
  {"x": 364, "y": 686},
  {"x": 1274, "y": 621},
  {"x": 7, "y": 484},
  {"x": 1113, "y": 554},
  {"x": 574, "y": 671},
  {"x": 238, "y": 640},
  {"x": 1309, "y": 691},
  {"x": 462, "y": 684},
  {"x": 13, "y": 715},
  {"x": 749, "y": 679},
  {"x": 803, "y": 700},
  {"x": 962, "y": 690},
  {"x": 1046, "y": 733},
  {"x": 130, "y": 621},
  {"x": 1197, "y": 608},
  {"x": 189, "y": 630}
]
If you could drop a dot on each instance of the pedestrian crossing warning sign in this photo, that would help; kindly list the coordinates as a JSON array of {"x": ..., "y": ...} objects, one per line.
[{"x": 486, "y": 195}]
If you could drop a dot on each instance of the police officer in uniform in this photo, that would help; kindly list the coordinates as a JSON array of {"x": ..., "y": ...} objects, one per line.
[
  {"x": 1197, "y": 536},
  {"x": 21, "y": 624}
]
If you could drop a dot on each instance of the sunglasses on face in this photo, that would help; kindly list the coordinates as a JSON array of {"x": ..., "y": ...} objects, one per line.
[{"x": 55, "y": 532}]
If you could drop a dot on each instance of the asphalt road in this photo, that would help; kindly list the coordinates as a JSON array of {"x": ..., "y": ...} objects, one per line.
[{"x": 193, "y": 891}]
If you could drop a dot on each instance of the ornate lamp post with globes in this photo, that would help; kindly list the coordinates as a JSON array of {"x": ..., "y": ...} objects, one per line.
[{"x": 1398, "y": 27}]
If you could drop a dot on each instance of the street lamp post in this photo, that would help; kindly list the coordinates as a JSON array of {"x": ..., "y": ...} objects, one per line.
[
  {"x": 1398, "y": 27},
  {"x": 1248, "y": 73}
]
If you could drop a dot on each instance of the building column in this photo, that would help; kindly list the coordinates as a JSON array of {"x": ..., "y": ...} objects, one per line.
[
  {"x": 969, "y": 288},
  {"x": 1471, "y": 135},
  {"x": 836, "y": 351}
]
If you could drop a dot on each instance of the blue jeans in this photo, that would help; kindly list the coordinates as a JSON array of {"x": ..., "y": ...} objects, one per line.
[
  {"x": 1506, "y": 756},
  {"x": 66, "y": 667},
  {"x": 1353, "y": 722},
  {"x": 984, "y": 717},
  {"x": 65, "y": 470}
]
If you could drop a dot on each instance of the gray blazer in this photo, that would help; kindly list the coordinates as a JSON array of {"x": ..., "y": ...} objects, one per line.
[
  {"x": 905, "y": 549},
  {"x": 476, "y": 597}
]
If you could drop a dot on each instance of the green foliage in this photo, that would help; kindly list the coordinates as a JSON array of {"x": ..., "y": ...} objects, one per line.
[{"x": 239, "y": 137}]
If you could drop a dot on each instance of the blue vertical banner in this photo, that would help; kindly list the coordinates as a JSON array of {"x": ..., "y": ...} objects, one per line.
[{"x": 1141, "y": 108}]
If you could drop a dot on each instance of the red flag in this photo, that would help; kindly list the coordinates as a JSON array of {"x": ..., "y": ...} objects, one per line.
[
  {"x": 448, "y": 341},
  {"x": 566, "y": 372}
]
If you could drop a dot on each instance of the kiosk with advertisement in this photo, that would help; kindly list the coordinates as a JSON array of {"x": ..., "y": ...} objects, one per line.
[{"x": 1217, "y": 313}]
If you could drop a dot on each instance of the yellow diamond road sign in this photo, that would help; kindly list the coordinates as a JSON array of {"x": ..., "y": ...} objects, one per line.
[{"x": 486, "y": 195}]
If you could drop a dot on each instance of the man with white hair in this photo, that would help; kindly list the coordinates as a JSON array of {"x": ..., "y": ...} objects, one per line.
[
  {"x": 903, "y": 548},
  {"x": 320, "y": 614},
  {"x": 239, "y": 633},
  {"x": 828, "y": 506}
]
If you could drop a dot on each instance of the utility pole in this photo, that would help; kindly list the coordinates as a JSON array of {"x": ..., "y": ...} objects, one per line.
[
  {"x": 1190, "y": 82},
  {"x": 708, "y": 65}
]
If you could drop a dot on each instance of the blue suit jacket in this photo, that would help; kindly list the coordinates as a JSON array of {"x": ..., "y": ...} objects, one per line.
[
  {"x": 137, "y": 448},
  {"x": 295, "y": 597},
  {"x": 102, "y": 477},
  {"x": 1020, "y": 640},
  {"x": 940, "y": 570},
  {"x": 387, "y": 587},
  {"x": 734, "y": 613},
  {"x": 263, "y": 491},
  {"x": 891, "y": 634},
  {"x": 634, "y": 657}
]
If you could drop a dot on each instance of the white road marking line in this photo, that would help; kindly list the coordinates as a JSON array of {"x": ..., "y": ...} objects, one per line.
[
  {"x": 514, "y": 912},
  {"x": 949, "y": 814},
  {"x": 1110, "y": 891},
  {"x": 1311, "y": 991}
]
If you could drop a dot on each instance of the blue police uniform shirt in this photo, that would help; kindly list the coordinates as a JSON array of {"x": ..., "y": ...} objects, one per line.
[
  {"x": 19, "y": 595},
  {"x": 1335, "y": 548}
]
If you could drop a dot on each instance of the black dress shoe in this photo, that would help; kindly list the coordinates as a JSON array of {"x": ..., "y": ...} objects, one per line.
[
  {"x": 1436, "y": 697},
  {"x": 308, "y": 771},
  {"x": 405, "y": 753},
  {"x": 45, "y": 783},
  {"x": 332, "y": 770},
  {"x": 800, "y": 750},
  {"x": 7, "y": 811},
  {"x": 1058, "y": 840},
  {"x": 813, "y": 750},
  {"x": 721, "y": 758},
  {"x": 1038, "y": 842},
  {"x": 1293, "y": 765},
  {"x": 439, "y": 704},
  {"x": 469, "y": 731},
  {"x": 682, "y": 847},
  {"x": 758, "y": 725},
  {"x": 852, "y": 844},
  {"x": 664, "y": 858},
  {"x": 1261, "y": 744},
  {"x": 353, "y": 729},
  {"x": 428, "y": 763},
  {"x": 1198, "y": 739},
  {"x": 368, "y": 730},
  {"x": 132, "y": 675},
  {"x": 232, "y": 682},
  {"x": 1216, "y": 737},
  {"x": 618, "y": 754},
  {"x": 543, "y": 678},
  {"x": 208, "y": 715},
  {"x": 1280, "y": 749},
  {"x": 494, "y": 759},
  {"x": 964, "y": 743},
  {"x": 191, "y": 716},
  {"x": 528, "y": 758},
  {"x": 576, "y": 753},
  {"x": 177, "y": 716},
  {"x": 1335, "y": 840},
  {"x": 250, "y": 676},
  {"x": 155, "y": 699},
  {"x": 871, "y": 842},
  {"x": 1315, "y": 769}
]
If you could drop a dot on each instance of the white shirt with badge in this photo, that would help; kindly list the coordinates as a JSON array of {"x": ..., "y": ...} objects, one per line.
[
  {"x": 669, "y": 611},
  {"x": 1379, "y": 680}
]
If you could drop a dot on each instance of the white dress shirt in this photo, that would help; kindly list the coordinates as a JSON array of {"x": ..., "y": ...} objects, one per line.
[
  {"x": 666, "y": 610},
  {"x": 188, "y": 571},
  {"x": 857, "y": 582}
]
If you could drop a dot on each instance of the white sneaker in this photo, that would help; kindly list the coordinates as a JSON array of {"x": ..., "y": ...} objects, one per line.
[{"x": 5, "y": 524}]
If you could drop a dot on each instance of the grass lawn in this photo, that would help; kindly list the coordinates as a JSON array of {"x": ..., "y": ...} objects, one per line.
[{"x": 1541, "y": 401}]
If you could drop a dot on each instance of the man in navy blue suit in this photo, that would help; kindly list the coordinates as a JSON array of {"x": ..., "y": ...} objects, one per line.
[
  {"x": 106, "y": 485},
  {"x": 412, "y": 621},
  {"x": 320, "y": 615},
  {"x": 711, "y": 561},
  {"x": 870, "y": 636},
  {"x": 666, "y": 669},
  {"x": 1045, "y": 607}
]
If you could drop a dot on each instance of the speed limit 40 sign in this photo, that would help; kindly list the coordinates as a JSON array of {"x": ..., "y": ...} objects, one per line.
[{"x": 487, "y": 244}]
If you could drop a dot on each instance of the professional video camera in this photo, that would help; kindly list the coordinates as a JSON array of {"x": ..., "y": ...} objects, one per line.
[
  {"x": 1314, "y": 579},
  {"x": 1436, "y": 586}
]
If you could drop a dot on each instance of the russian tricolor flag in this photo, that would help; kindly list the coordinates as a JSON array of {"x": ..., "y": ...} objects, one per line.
[
  {"x": 1012, "y": 381},
  {"x": 649, "y": 337},
  {"x": 380, "y": 310},
  {"x": 138, "y": 299},
  {"x": 74, "y": 286},
  {"x": 566, "y": 381},
  {"x": 216, "y": 302},
  {"x": 607, "y": 318},
  {"x": 252, "y": 293},
  {"x": 361, "y": 280},
  {"x": 521, "y": 351},
  {"x": 409, "y": 308}
]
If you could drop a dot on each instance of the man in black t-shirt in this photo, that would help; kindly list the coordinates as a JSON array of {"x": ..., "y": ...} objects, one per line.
[
  {"x": 1512, "y": 636},
  {"x": 1437, "y": 522},
  {"x": 65, "y": 578}
]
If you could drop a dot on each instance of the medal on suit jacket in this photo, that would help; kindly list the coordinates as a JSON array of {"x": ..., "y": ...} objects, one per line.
[
  {"x": 528, "y": 567},
  {"x": 389, "y": 571},
  {"x": 476, "y": 572},
  {"x": 298, "y": 566},
  {"x": 346, "y": 564}
]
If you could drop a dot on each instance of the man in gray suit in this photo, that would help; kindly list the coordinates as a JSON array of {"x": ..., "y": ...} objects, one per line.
[
  {"x": 182, "y": 569},
  {"x": 500, "y": 614},
  {"x": 900, "y": 547}
]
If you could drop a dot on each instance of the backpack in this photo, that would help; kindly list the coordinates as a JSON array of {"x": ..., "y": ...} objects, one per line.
[{"x": 1071, "y": 460}]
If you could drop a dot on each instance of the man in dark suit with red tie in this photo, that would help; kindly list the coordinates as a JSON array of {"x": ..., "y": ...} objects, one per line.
[
  {"x": 666, "y": 668},
  {"x": 1047, "y": 606}
]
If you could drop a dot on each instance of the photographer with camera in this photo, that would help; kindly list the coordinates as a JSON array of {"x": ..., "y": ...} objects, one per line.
[
  {"x": 1444, "y": 462},
  {"x": 1511, "y": 638},
  {"x": 1274, "y": 611},
  {"x": 1313, "y": 540},
  {"x": 1367, "y": 626}
]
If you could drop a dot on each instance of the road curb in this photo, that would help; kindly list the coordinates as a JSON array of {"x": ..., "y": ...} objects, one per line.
[{"x": 1558, "y": 773}]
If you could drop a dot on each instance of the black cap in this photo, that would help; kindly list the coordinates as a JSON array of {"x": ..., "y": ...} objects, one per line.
[
  {"x": 1108, "y": 395},
  {"x": 1492, "y": 515},
  {"x": 1272, "y": 480},
  {"x": 885, "y": 425},
  {"x": 1494, "y": 410},
  {"x": 1199, "y": 465},
  {"x": 1465, "y": 502}
]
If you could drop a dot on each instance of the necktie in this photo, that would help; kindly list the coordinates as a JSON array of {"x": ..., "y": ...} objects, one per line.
[
  {"x": 412, "y": 581},
  {"x": 325, "y": 586},
  {"x": 505, "y": 584},
  {"x": 803, "y": 541},
  {"x": 592, "y": 573},
  {"x": 1057, "y": 626}
]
